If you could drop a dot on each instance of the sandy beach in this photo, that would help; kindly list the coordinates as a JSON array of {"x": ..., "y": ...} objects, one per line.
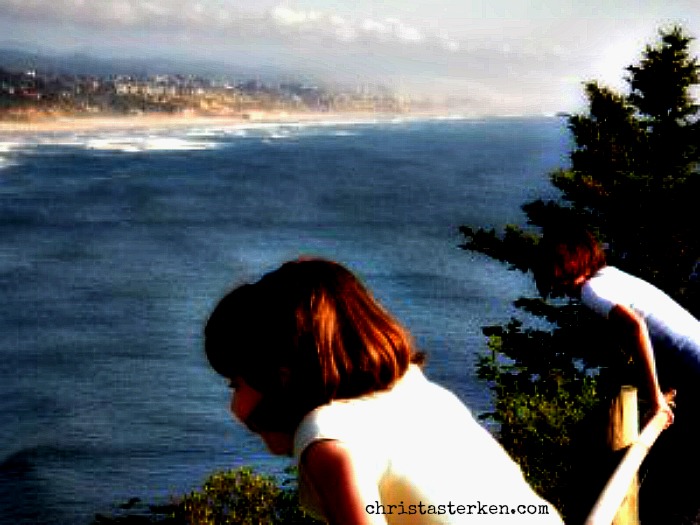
[{"x": 155, "y": 121}]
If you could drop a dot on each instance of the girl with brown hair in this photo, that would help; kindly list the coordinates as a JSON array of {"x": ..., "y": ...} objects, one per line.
[
  {"x": 320, "y": 371},
  {"x": 572, "y": 262}
]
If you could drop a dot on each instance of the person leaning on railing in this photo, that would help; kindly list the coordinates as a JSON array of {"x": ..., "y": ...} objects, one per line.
[
  {"x": 572, "y": 262},
  {"x": 322, "y": 372}
]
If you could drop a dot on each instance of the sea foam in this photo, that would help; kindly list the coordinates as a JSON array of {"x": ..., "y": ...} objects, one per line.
[
  {"x": 6, "y": 150},
  {"x": 135, "y": 144}
]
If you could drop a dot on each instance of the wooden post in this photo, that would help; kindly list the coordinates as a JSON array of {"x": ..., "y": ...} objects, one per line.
[
  {"x": 618, "y": 503},
  {"x": 623, "y": 430}
]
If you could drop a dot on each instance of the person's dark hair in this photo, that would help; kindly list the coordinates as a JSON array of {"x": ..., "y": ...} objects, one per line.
[
  {"x": 564, "y": 254},
  {"x": 305, "y": 334}
]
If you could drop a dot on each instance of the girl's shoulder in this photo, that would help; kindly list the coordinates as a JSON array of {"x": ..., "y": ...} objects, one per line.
[{"x": 413, "y": 406}]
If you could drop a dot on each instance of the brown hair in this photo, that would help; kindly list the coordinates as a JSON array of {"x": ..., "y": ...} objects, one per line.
[
  {"x": 315, "y": 320},
  {"x": 564, "y": 254}
]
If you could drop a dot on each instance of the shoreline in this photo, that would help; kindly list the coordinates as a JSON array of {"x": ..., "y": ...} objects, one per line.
[{"x": 90, "y": 123}]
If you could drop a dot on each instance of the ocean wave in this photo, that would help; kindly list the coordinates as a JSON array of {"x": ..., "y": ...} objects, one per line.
[
  {"x": 206, "y": 137},
  {"x": 8, "y": 147},
  {"x": 281, "y": 133},
  {"x": 282, "y": 130},
  {"x": 113, "y": 142},
  {"x": 344, "y": 133},
  {"x": 275, "y": 131},
  {"x": 455, "y": 116},
  {"x": 136, "y": 144},
  {"x": 6, "y": 153}
]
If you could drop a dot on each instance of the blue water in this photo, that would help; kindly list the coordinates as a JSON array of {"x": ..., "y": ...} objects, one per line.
[{"x": 115, "y": 246}]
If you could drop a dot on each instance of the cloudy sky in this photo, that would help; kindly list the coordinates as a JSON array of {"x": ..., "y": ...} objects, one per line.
[{"x": 500, "y": 56}]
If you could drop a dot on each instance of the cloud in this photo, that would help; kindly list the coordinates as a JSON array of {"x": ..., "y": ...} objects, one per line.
[
  {"x": 289, "y": 17},
  {"x": 220, "y": 17},
  {"x": 125, "y": 14},
  {"x": 335, "y": 27},
  {"x": 403, "y": 32}
]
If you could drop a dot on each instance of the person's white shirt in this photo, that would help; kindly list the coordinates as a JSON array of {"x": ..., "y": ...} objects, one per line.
[
  {"x": 668, "y": 323},
  {"x": 421, "y": 457}
]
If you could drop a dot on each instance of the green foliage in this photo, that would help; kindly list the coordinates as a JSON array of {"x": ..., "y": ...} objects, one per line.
[
  {"x": 659, "y": 83},
  {"x": 547, "y": 394},
  {"x": 633, "y": 179},
  {"x": 633, "y": 174},
  {"x": 240, "y": 497},
  {"x": 538, "y": 425}
]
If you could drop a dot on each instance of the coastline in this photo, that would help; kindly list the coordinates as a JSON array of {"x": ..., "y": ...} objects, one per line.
[{"x": 155, "y": 121}]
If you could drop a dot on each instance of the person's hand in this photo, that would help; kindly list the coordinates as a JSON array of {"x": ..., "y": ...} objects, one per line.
[{"x": 665, "y": 403}]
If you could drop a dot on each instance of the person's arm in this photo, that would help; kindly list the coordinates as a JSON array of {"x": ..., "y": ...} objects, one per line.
[
  {"x": 328, "y": 467},
  {"x": 634, "y": 327}
]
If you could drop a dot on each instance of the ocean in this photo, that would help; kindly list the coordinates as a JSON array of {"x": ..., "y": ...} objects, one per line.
[{"x": 116, "y": 245}]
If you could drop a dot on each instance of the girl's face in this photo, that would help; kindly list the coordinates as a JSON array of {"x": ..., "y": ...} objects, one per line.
[{"x": 244, "y": 400}]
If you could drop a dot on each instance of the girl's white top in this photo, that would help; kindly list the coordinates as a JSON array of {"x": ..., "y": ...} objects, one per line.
[
  {"x": 420, "y": 457},
  {"x": 668, "y": 323}
]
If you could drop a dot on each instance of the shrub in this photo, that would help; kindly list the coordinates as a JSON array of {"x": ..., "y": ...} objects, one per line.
[{"x": 239, "y": 496}]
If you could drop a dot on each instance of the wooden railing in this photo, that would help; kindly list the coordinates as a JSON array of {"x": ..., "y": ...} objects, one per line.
[{"x": 618, "y": 503}]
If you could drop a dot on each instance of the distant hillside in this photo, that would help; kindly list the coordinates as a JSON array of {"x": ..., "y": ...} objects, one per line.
[{"x": 18, "y": 57}]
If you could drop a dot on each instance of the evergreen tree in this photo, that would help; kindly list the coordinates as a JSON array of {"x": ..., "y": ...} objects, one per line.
[{"x": 633, "y": 179}]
